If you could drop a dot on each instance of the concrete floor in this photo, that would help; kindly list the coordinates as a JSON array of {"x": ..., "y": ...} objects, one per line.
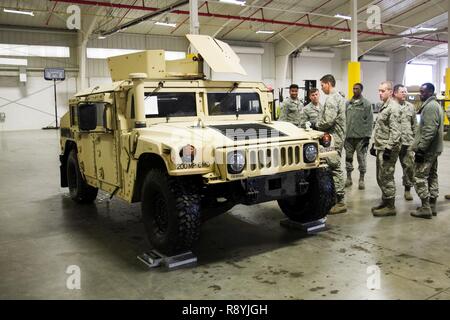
[{"x": 242, "y": 255}]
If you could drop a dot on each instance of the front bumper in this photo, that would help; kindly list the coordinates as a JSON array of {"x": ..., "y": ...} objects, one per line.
[{"x": 279, "y": 186}]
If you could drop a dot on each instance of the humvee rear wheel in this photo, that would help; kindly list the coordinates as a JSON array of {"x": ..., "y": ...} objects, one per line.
[
  {"x": 170, "y": 212},
  {"x": 316, "y": 203},
  {"x": 79, "y": 190}
]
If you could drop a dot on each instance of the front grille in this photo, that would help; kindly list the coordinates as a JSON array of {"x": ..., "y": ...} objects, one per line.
[
  {"x": 248, "y": 131},
  {"x": 274, "y": 157}
]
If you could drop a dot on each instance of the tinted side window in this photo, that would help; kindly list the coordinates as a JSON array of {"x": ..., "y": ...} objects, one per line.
[{"x": 91, "y": 115}]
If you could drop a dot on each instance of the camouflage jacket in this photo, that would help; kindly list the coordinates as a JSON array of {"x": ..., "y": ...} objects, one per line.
[
  {"x": 332, "y": 118},
  {"x": 290, "y": 111},
  {"x": 387, "y": 132},
  {"x": 430, "y": 131},
  {"x": 409, "y": 123},
  {"x": 310, "y": 113},
  {"x": 359, "y": 118}
]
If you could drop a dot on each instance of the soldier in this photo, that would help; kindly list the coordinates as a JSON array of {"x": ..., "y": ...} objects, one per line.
[
  {"x": 291, "y": 107},
  {"x": 428, "y": 145},
  {"x": 386, "y": 147},
  {"x": 359, "y": 130},
  {"x": 310, "y": 112},
  {"x": 332, "y": 120},
  {"x": 409, "y": 123}
]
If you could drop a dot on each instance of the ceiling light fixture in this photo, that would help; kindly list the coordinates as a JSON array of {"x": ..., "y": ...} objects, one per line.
[
  {"x": 166, "y": 24},
  {"x": 340, "y": 16},
  {"x": 265, "y": 31},
  {"x": 101, "y": 37},
  {"x": 237, "y": 2},
  {"x": 345, "y": 40},
  {"x": 28, "y": 13},
  {"x": 427, "y": 29}
]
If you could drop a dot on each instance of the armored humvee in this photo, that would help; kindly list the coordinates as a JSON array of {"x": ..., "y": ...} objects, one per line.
[{"x": 188, "y": 148}]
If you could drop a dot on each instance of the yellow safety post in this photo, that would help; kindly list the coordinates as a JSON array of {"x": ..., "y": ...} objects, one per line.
[
  {"x": 354, "y": 76},
  {"x": 447, "y": 103}
]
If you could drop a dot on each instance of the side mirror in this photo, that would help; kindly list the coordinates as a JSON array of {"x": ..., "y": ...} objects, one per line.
[{"x": 87, "y": 117}]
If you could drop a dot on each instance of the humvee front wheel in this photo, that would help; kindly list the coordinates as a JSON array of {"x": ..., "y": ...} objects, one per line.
[
  {"x": 317, "y": 201},
  {"x": 79, "y": 190},
  {"x": 170, "y": 212}
]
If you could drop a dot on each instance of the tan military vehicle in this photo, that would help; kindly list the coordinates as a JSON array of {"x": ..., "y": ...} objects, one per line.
[{"x": 188, "y": 148}]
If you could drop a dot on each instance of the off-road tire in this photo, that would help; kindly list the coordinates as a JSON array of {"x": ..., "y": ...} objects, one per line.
[
  {"x": 317, "y": 201},
  {"x": 79, "y": 190},
  {"x": 170, "y": 212}
]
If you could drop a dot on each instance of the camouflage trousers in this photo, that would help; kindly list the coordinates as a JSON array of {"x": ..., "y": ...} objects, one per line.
[
  {"x": 406, "y": 157},
  {"x": 385, "y": 174},
  {"x": 360, "y": 145},
  {"x": 335, "y": 165},
  {"x": 426, "y": 183}
]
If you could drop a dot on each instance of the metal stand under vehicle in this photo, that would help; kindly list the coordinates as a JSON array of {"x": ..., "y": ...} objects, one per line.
[
  {"x": 153, "y": 259},
  {"x": 312, "y": 227}
]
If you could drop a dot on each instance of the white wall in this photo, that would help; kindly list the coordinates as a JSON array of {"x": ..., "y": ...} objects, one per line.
[
  {"x": 31, "y": 105},
  {"x": 372, "y": 74}
]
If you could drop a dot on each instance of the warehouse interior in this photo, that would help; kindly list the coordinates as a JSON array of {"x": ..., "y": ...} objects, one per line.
[{"x": 245, "y": 253}]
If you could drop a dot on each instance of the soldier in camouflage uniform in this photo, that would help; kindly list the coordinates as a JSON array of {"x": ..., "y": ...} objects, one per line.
[
  {"x": 409, "y": 123},
  {"x": 310, "y": 112},
  {"x": 332, "y": 120},
  {"x": 386, "y": 147},
  {"x": 359, "y": 130},
  {"x": 428, "y": 145},
  {"x": 291, "y": 107}
]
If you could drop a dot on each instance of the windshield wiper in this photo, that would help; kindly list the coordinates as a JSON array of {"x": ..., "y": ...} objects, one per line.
[{"x": 160, "y": 85}]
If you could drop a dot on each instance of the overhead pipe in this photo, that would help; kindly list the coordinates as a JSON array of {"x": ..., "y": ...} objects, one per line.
[{"x": 231, "y": 17}]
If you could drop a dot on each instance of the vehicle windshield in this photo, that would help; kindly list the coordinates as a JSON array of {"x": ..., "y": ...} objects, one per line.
[
  {"x": 231, "y": 103},
  {"x": 170, "y": 104}
]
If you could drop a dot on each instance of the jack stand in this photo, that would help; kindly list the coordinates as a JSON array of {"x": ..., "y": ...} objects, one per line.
[
  {"x": 153, "y": 259},
  {"x": 312, "y": 227}
]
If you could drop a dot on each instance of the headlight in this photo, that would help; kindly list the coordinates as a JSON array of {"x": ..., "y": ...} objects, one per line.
[
  {"x": 235, "y": 162},
  {"x": 310, "y": 153}
]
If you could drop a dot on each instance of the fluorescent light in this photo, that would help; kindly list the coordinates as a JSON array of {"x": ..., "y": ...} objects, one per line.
[
  {"x": 340, "y": 16},
  {"x": 238, "y": 2},
  {"x": 166, "y": 24},
  {"x": 28, "y": 13},
  {"x": 406, "y": 45},
  {"x": 101, "y": 37},
  {"x": 427, "y": 29},
  {"x": 265, "y": 31},
  {"x": 345, "y": 40}
]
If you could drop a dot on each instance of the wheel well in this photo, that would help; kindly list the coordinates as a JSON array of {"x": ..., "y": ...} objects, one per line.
[
  {"x": 146, "y": 162},
  {"x": 63, "y": 161}
]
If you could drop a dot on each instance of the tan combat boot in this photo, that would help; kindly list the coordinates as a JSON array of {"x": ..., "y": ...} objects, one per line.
[
  {"x": 380, "y": 206},
  {"x": 361, "y": 185},
  {"x": 349, "y": 181},
  {"x": 408, "y": 196},
  {"x": 339, "y": 207},
  {"x": 388, "y": 210},
  {"x": 424, "y": 211},
  {"x": 433, "y": 206}
]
